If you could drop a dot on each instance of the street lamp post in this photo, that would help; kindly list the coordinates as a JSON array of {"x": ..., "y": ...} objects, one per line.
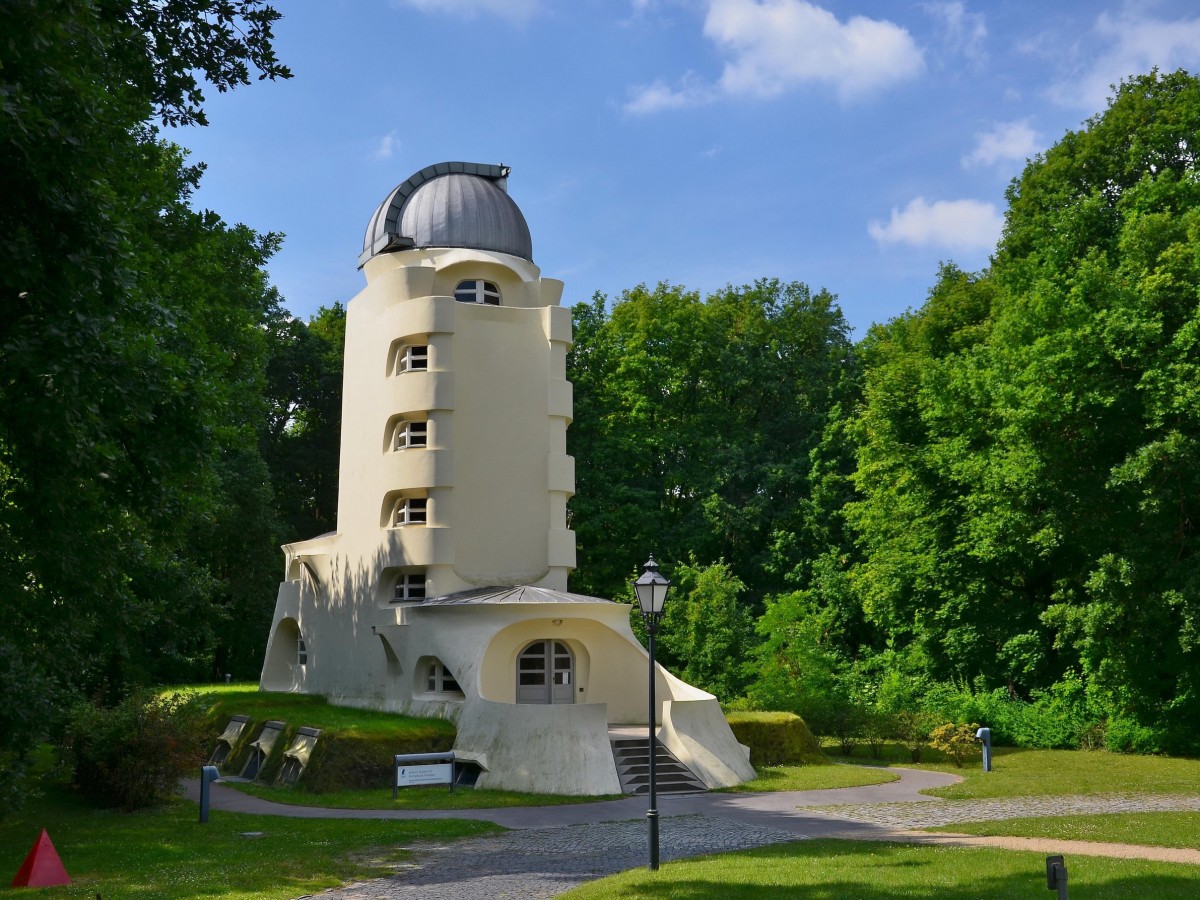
[{"x": 651, "y": 589}]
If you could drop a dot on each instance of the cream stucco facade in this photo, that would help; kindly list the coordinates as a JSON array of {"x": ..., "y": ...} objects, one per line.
[{"x": 443, "y": 591}]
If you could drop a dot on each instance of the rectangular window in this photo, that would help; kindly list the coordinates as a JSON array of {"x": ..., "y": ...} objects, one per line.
[
  {"x": 412, "y": 434},
  {"x": 301, "y": 653},
  {"x": 413, "y": 358},
  {"x": 410, "y": 587},
  {"x": 440, "y": 681},
  {"x": 411, "y": 511}
]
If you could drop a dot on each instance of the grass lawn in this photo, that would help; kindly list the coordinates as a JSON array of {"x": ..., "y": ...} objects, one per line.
[
  {"x": 305, "y": 709},
  {"x": 1154, "y": 829},
  {"x": 1016, "y": 773},
  {"x": 165, "y": 854},
  {"x": 864, "y": 870},
  {"x": 413, "y": 798},
  {"x": 814, "y": 778}
]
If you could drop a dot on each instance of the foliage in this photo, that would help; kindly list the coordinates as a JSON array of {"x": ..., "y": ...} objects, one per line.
[
  {"x": 913, "y": 730},
  {"x": 693, "y": 424},
  {"x": 956, "y": 741},
  {"x": 776, "y": 738},
  {"x": 132, "y": 755},
  {"x": 303, "y": 432},
  {"x": 706, "y": 629},
  {"x": 131, "y": 349},
  {"x": 1027, "y": 466}
]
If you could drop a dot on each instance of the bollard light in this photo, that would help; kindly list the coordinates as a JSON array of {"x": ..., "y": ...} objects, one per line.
[
  {"x": 984, "y": 735},
  {"x": 651, "y": 589}
]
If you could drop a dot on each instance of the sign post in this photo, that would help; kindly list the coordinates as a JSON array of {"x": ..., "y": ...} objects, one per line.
[{"x": 419, "y": 769}]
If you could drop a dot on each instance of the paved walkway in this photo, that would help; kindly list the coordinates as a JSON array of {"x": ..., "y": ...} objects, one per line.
[{"x": 552, "y": 849}]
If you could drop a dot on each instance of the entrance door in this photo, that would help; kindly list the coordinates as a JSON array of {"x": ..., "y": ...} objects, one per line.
[{"x": 546, "y": 673}]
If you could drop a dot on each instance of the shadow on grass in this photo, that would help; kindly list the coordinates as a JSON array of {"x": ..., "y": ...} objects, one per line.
[{"x": 828, "y": 869}]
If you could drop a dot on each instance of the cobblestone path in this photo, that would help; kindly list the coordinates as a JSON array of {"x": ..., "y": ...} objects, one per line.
[{"x": 543, "y": 862}]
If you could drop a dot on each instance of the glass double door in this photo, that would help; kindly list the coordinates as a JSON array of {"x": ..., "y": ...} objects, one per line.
[{"x": 546, "y": 673}]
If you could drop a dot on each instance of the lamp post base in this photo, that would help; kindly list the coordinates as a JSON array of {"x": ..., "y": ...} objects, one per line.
[{"x": 652, "y": 820}]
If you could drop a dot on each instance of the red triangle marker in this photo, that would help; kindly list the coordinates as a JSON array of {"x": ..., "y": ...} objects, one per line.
[{"x": 42, "y": 867}]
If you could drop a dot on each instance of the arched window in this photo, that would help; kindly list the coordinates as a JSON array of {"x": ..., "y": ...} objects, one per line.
[{"x": 477, "y": 291}]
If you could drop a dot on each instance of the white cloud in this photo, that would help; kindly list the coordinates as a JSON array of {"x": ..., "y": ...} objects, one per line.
[
  {"x": 1135, "y": 45},
  {"x": 780, "y": 45},
  {"x": 952, "y": 224},
  {"x": 961, "y": 31},
  {"x": 513, "y": 10},
  {"x": 1006, "y": 141},
  {"x": 386, "y": 148},
  {"x": 650, "y": 98}
]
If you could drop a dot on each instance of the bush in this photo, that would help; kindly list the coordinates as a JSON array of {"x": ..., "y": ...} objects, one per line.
[
  {"x": 913, "y": 730},
  {"x": 133, "y": 755},
  {"x": 776, "y": 738},
  {"x": 956, "y": 741}
]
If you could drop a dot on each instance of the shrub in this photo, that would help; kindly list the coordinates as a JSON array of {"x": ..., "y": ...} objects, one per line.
[
  {"x": 913, "y": 730},
  {"x": 956, "y": 741},
  {"x": 132, "y": 755},
  {"x": 776, "y": 738}
]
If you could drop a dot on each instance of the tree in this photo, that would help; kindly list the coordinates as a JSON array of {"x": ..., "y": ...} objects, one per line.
[
  {"x": 694, "y": 421},
  {"x": 1028, "y": 440},
  {"x": 707, "y": 630},
  {"x": 122, "y": 368}
]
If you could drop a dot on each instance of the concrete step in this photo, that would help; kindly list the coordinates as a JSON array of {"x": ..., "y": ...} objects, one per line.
[{"x": 633, "y": 768}]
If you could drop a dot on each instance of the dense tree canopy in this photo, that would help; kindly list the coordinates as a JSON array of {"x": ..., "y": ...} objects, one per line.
[
  {"x": 694, "y": 420},
  {"x": 132, "y": 342},
  {"x": 1028, "y": 443}
]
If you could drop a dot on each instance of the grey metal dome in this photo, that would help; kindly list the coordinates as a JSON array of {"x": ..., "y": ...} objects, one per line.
[{"x": 451, "y": 204}]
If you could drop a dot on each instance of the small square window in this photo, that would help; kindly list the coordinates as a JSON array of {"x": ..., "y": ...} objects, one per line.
[
  {"x": 411, "y": 434},
  {"x": 440, "y": 681},
  {"x": 410, "y": 587},
  {"x": 413, "y": 358},
  {"x": 411, "y": 511}
]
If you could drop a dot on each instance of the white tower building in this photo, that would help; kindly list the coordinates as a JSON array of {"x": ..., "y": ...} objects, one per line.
[{"x": 444, "y": 590}]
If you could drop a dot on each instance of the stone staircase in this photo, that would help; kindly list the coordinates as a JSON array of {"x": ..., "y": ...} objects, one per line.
[{"x": 633, "y": 768}]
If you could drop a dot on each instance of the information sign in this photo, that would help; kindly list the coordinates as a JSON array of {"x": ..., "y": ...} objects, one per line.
[{"x": 408, "y": 776}]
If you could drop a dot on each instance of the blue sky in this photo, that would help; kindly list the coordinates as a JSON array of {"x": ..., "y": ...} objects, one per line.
[{"x": 849, "y": 145}]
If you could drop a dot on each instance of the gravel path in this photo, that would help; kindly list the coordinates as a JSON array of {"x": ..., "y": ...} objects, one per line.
[
  {"x": 552, "y": 849},
  {"x": 538, "y": 863},
  {"x": 949, "y": 812}
]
